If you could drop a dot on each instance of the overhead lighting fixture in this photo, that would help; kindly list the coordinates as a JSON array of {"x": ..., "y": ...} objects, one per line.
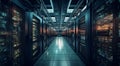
[
  {"x": 66, "y": 19},
  {"x": 84, "y": 8},
  {"x": 78, "y": 13},
  {"x": 74, "y": 17},
  {"x": 70, "y": 10},
  {"x": 54, "y": 29},
  {"x": 51, "y": 2},
  {"x": 53, "y": 19},
  {"x": 50, "y": 10}
]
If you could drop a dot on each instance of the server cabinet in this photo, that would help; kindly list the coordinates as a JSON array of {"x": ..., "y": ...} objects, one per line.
[
  {"x": 35, "y": 36},
  {"x": 104, "y": 37},
  {"x": 82, "y": 45},
  {"x": 17, "y": 37},
  {"x": 4, "y": 35},
  {"x": 12, "y": 27},
  {"x": 105, "y": 31},
  {"x": 73, "y": 37},
  {"x": 44, "y": 36},
  {"x": 33, "y": 46},
  {"x": 41, "y": 37},
  {"x": 47, "y": 37}
]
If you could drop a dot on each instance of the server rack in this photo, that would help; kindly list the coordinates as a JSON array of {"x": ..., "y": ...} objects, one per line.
[
  {"x": 49, "y": 38},
  {"x": 41, "y": 37},
  {"x": 44, "y": 37},
  {"x": 69, "y": 36},
  {"x": 32, "y": 48},
  {"x": 105, "y": 30},
  {"x": 20, "y": 36},
  {"x": 35, "y": 36},
  {"x": 4, "y": 34},
  {"x": 17, "y": 25},
  {"x": 104, "y": 38},
  {"x": 82, "y": 45},
  {"x": 104, "y": 25},
  {"x": 72, "y": 36},
  {"x": 12, "y": 27}
]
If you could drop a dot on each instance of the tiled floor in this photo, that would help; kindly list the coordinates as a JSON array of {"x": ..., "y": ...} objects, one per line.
[{"x": 59, "y": 54}]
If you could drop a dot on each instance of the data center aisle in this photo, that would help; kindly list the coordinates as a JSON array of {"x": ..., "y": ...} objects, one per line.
[{"x": 59, "y": 54}]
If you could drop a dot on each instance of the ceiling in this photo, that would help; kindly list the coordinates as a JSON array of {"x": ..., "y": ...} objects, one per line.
[{"x": 60, "y": 14}]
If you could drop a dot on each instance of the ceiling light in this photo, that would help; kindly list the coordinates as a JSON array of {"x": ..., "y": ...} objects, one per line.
[
  {"x": 84, "y": 8},
  {"x": 53, "y": 19},
  {"x": 66, "y": 19},
  {"x": 70, "y": 10},
  {"x": 78, "y": 13},
  {"x": 50, "y": 10}
]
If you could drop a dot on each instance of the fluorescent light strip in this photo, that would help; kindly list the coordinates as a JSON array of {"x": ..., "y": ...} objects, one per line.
[
  {"x": 52, "y": 5},
  {"x": 69, "y": 4},
  {"x": 78, "y": 13},
  {"x": 50, "y": 10},
  {"x": 66, "y": 19},
  {"x": 70, "y": 10},
  {"x": 53, "y": 19},
  {"x": 84, "y": 8}
]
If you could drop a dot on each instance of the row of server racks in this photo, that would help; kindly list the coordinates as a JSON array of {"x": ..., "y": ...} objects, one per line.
[
  {"x": 23, "y": 35},
  {"x": 96, "y": 33}
]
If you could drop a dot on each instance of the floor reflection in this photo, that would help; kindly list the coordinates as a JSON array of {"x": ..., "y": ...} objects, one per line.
[
  {"x": 59, "y": 43},
  {"x": 59, "y": 54}
]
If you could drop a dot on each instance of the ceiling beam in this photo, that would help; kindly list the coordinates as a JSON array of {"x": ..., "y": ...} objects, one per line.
[
  {"x": 69, "y": 4},
  {"x": 79, "y": 4},
  {"x": 51, "y": 2}
]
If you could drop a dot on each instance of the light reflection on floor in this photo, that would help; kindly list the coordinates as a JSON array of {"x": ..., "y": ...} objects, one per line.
[
  {"x": 59, "y": 43},
  {"x": 59, "y": 54}
]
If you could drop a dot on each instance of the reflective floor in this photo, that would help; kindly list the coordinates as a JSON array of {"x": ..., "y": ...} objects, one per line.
[{"x": 59, "y": 54}]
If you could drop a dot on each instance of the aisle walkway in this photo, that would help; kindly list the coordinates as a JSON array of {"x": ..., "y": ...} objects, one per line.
[{"x": 59, "y": 54}]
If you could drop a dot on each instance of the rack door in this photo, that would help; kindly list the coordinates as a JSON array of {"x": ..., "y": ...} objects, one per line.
[{"x": 35, "y": 36}]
